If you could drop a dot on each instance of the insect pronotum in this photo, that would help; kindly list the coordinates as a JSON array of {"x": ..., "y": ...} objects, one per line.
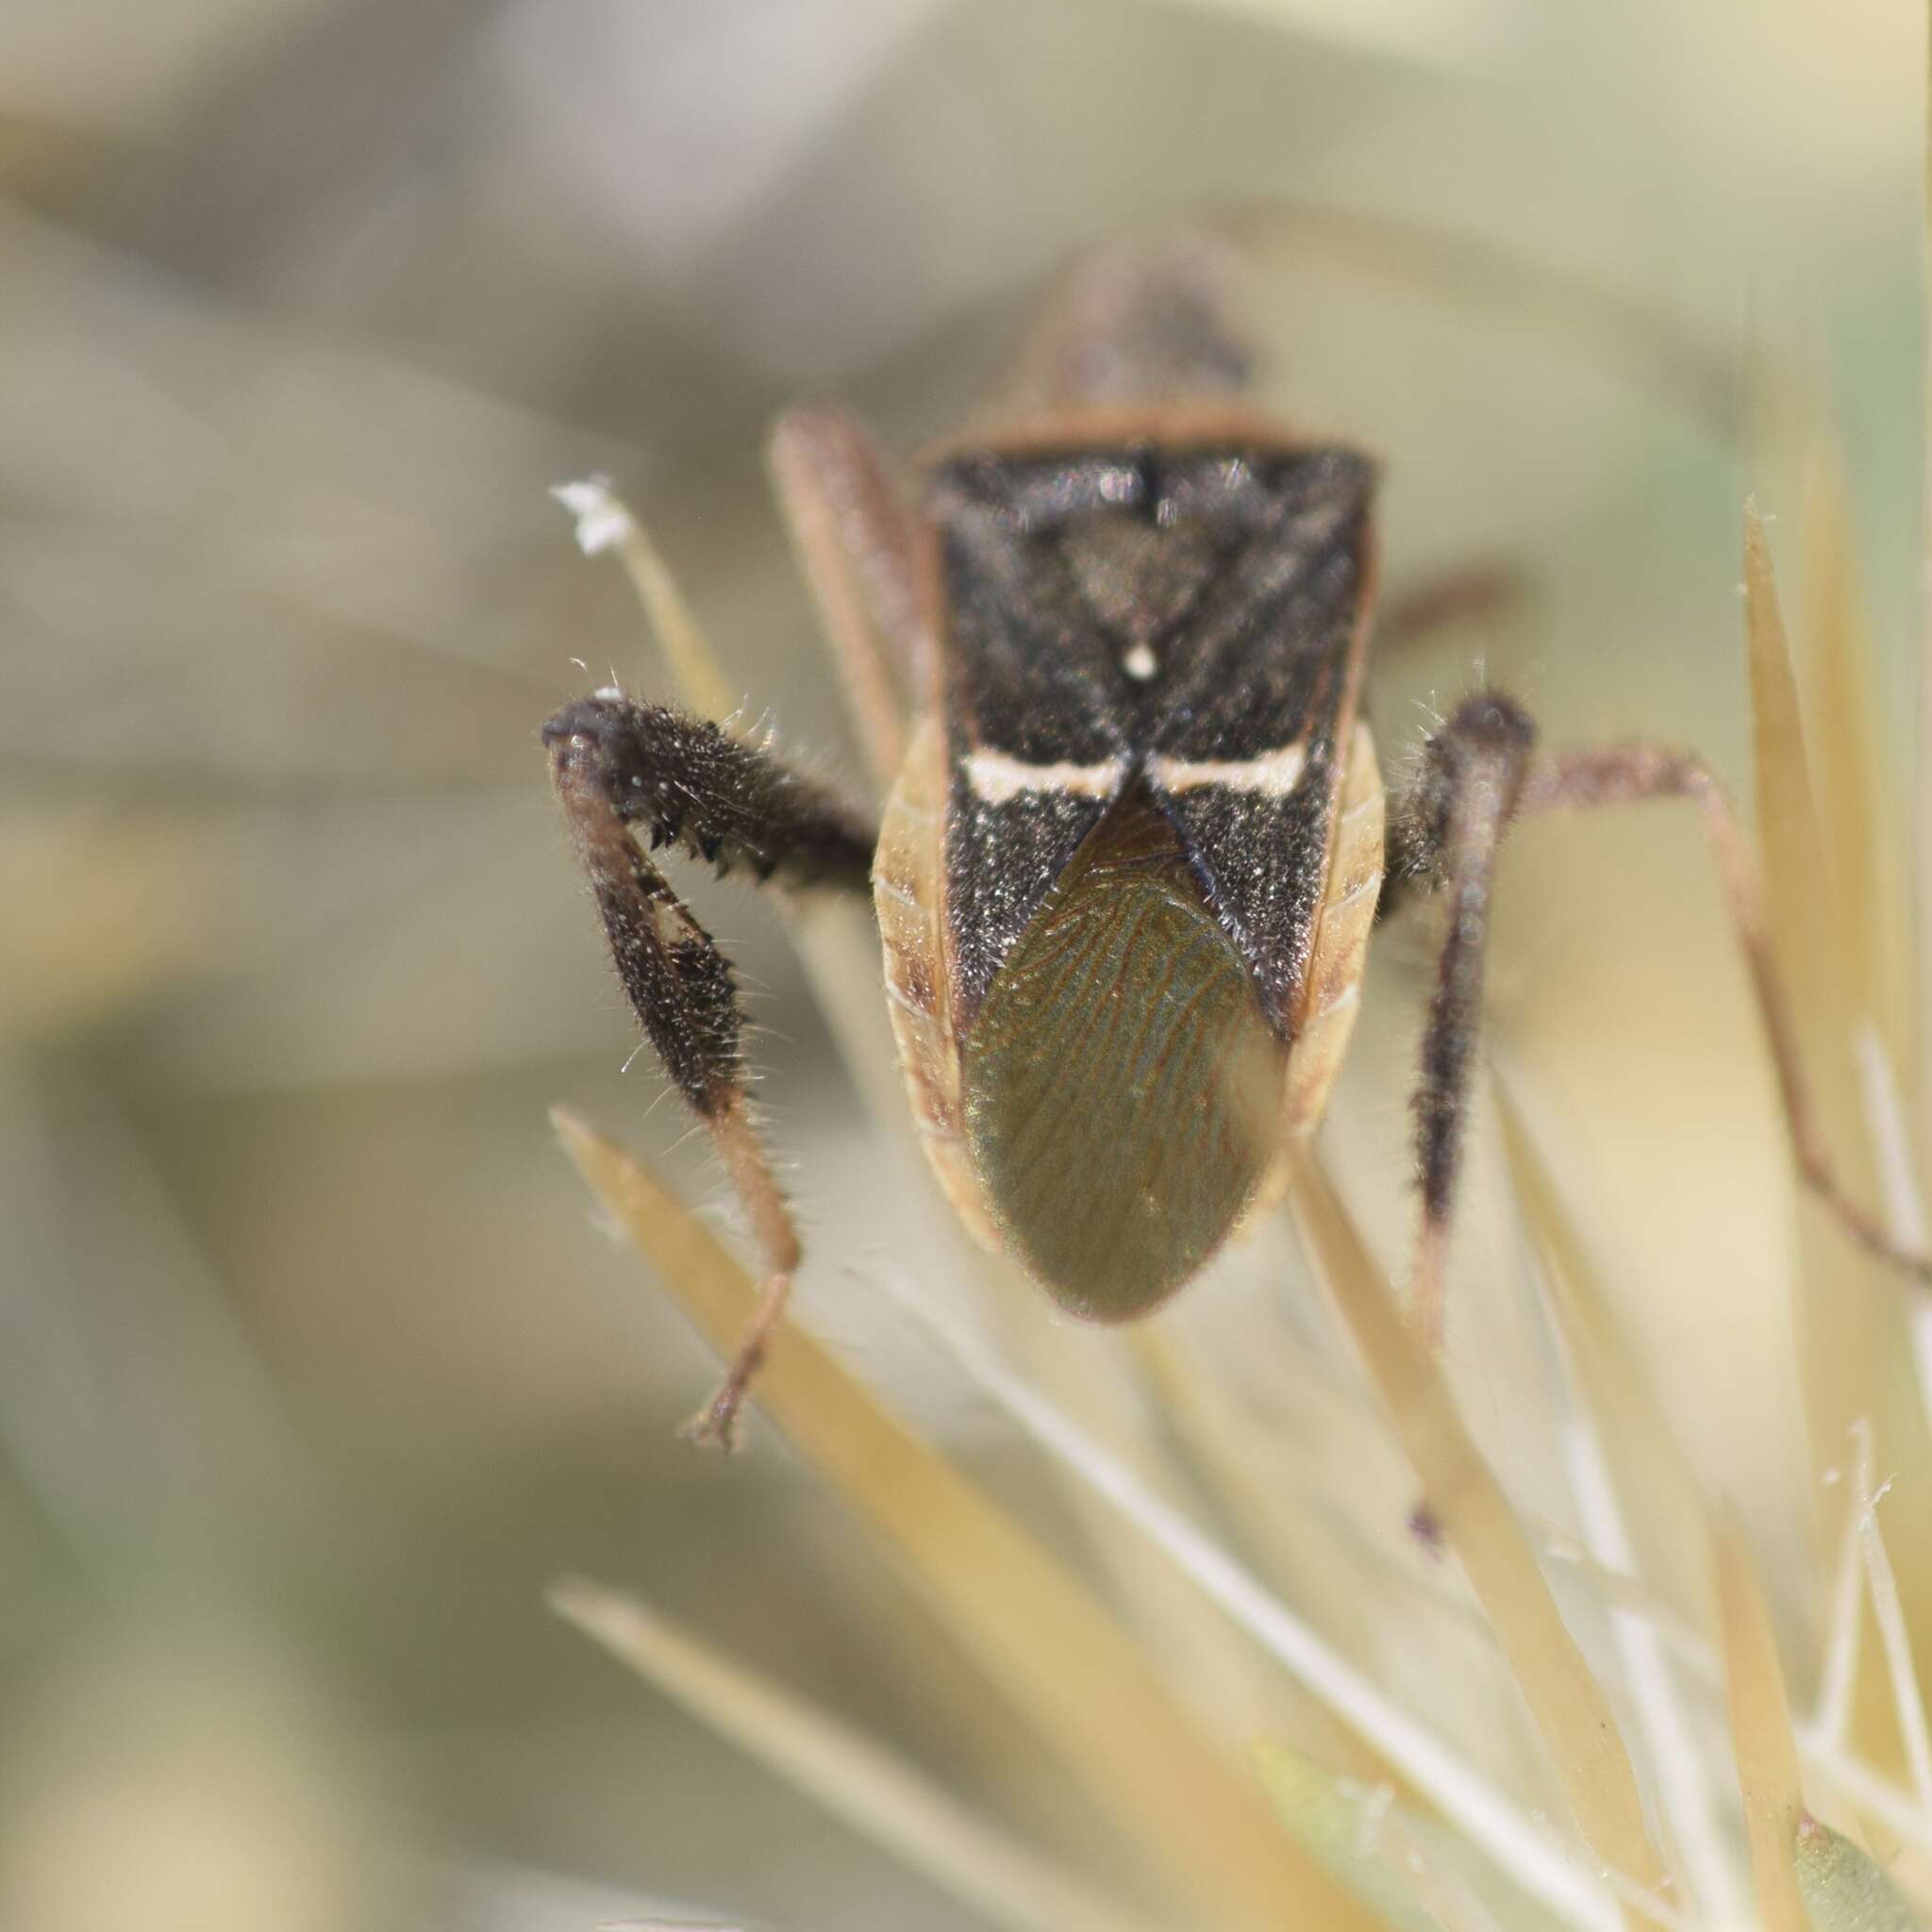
[{"x": 1133, "y": 843}]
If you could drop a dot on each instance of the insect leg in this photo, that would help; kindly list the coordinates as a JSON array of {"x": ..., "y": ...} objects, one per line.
[
  {"x": 1446, "y": 832},
  {"x": 622, "y": 767},
  {"x": 1481, "y": 771},
  {"x": 1631, "y": 774},
  {"x": 854, "y": 538}
]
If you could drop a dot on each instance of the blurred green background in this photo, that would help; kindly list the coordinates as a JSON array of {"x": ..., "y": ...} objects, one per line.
[{"x": 313, "y": 1369}]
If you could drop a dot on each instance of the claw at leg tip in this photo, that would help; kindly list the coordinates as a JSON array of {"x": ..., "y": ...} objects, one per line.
[{"x": 716, "y": 1425}]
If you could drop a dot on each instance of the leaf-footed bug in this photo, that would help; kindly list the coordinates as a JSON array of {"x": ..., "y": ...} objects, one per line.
[{"x": 1135, "y": 838}]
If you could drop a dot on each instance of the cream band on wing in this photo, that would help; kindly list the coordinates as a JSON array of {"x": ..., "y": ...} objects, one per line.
[
  {"x": 1273, "y": 775},
  {"x": 997, "y": 777}
]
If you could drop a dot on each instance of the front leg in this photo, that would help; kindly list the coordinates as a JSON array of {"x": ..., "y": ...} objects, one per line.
[
  {"x": 1479, "y": 772},
  {"x": 622, "y": 768}
]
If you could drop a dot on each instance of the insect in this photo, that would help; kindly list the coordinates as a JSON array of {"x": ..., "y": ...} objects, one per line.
[{"x": 1136, "y": 838}]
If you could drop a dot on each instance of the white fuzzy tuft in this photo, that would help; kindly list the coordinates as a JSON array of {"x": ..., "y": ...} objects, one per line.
[{"x": 602, "y": 523}]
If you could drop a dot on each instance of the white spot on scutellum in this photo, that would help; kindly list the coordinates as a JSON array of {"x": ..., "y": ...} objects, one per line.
[
  {"x": 601, "y": 520},
  {"x": 1140, "y": 662},
  {"x": 1273, "y": 775},
  {"x": 998, "y": 778}
]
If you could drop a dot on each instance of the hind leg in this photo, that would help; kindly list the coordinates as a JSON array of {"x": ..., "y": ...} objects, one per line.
[{"x": 1481, "y": 771}]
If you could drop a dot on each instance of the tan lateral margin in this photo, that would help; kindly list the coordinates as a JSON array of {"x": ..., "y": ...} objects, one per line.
[
  {"x": 1569, "y": 1707},
  {"x": 1036, "y": 1631}
]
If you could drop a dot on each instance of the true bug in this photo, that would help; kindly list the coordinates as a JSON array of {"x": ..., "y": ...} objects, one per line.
[{"x": 1135, "y": 841}]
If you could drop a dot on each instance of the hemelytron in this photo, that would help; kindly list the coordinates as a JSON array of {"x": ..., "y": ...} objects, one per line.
[{"x": 1108, "y": 667}]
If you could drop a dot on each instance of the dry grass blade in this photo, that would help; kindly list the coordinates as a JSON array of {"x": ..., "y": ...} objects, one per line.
[
  {"x": 877, "y": 1795},
  {"x": 1845, "y": 1630},
  {"x": 1488, "y": 1817},
  {"x": 1033, "y": 1630},
  {"x": 1882, "y": 1578},
  {"x": 1280, "y": 1515},
  {"x": 1569, "y": 1707},
  {"x": 1761, "y": 1735},
  {"x": 1655, "y": 1484},
  {"x": 1858, "y": 815},
  {"x": 1855, "y": 1342},
  {"x": 1210, "y": 1664},
  {"x": 1821, "y": 1752},
  {"x": 1798, "y": 886},
  {"x": 1632, "y": 1488},
  {"x": 605, "y": 524},
  {"x": 1921, "y": 902}
]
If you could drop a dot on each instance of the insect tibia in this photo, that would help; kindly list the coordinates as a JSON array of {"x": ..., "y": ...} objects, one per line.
[{"x": 679, "y": 983}]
